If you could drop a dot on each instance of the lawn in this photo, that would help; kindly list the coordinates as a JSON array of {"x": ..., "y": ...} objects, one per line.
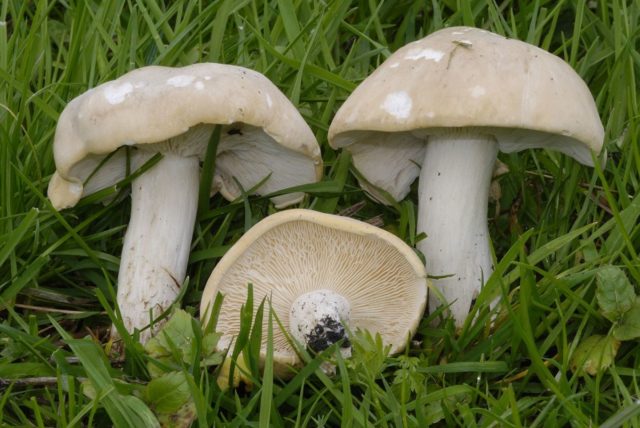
[{"x": 560, "y": 348}]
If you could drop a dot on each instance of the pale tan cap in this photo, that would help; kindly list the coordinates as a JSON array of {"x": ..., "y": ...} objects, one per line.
[
  {"x": 468, "y": 79},
  {"x": 299, "y": 251},
  {"x": 263, "y": 135}
]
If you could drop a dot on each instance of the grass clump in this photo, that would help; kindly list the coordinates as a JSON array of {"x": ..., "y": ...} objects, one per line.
[{"x": 556, "y": 225}]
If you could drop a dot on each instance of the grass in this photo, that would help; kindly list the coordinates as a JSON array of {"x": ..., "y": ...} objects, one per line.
[{"x": 554, "y": 226}]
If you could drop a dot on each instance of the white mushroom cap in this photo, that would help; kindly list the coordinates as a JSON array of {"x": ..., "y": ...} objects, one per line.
[
  {"x": 155, "y": 104},
  {"x": 295, "y": 252},
  {"x": 463, "y": 77}
]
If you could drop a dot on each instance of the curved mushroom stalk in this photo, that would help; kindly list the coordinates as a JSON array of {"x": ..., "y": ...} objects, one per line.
[
  {"x": 156, "y": 244},
  {"x": 454, "y": 190},
  {"x": 317, "y": 319}
]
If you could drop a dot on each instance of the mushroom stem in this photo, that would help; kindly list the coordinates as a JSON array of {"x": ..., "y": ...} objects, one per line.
[
  {"x": 317, "y": 320},
  {"x": 156, "y": 245},
  {"x": 453, "y": 197}
]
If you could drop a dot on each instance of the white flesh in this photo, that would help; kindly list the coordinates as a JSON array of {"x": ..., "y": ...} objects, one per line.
[
  {"x": 156, "y": 245},
  {"x": 312, "y": 309},
  {"x": 453, "y": 196}
]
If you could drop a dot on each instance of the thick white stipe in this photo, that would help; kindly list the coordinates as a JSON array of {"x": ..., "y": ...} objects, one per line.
[
  {"x": 156, "y": 245},
  {"x": 453, "y": 194}
]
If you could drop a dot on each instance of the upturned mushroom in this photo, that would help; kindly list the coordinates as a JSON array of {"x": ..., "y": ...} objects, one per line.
[
  {"x": 111, "y": 130},
  {"x": 440, "y": 109},
  {"x": 324, "y": 275}
]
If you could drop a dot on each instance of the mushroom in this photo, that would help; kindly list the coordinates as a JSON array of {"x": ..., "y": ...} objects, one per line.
[
  {"x": 324, "y": 276},
  {"x": 116, "y": 127},
  {"x": 440, "y": 108}
]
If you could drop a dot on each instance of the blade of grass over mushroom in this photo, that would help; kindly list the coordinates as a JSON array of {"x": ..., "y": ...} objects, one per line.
[
  {"x": 122, "y": 184},
  {"x": 208, "y": 169},
  {"x": 266, "y": 396},
  {"x": 208, "y": 254},
  {"x": 244, "y": 196},
  {"x": 214, "y": 312},
  {"x": 252, "y": 356},
  {"x": 227, "y": 212},
  {"x": 407, "y": 224},
  {"x": 216, "y": 248},
  {"x": 387, "y": 196},
  {"x": 229, "y": 208},
  {"x": 104, "y": 161},
  {"x": 242, "y": 339},
  {"x": 340, "y": 173},
  {"x": 328, "y": 188}
]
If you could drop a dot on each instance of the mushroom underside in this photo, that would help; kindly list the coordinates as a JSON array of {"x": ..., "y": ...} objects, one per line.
[
  {"x": 285, "y": 264},
  {"x": 245, "y": 153},
  {"x": 454, "y": 166},
  {"x": 391, "y": 161}
]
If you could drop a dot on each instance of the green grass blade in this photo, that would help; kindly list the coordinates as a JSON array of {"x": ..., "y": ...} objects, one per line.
[
  {"x": 208, "y": 170},
  {"x": 16, "y": 236},
  {"x": 266, "y": 395}
]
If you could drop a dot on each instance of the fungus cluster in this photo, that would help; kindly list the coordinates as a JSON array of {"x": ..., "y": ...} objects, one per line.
[{"x": 439, "y": 109}]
